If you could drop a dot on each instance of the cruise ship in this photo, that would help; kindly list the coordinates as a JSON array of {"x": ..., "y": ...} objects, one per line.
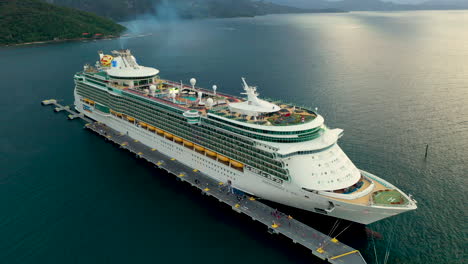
[{"x": 269, "y": 149}]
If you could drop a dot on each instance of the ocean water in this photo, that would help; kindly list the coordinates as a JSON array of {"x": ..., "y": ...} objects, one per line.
[{"x": 393, "y": 81}]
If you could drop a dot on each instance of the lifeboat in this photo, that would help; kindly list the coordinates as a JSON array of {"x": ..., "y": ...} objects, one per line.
[
  {"x": 177, "y": 139},
  {"x": 188, "y": 143},
  {"x": 222, "y": 158},
  {"x": 159, "y": 131},
  {"x": 199, "y": 148},
  {"x": 151, "y": 128},
  {"x": 119, "y": 114},
  {"x": 210, "y": 153},
  {"x": 237, "y": 164},
  {"x": 168, "y": 135},
  {"x": 131, "y": 119},
  {"x": 142, "y": 124}
]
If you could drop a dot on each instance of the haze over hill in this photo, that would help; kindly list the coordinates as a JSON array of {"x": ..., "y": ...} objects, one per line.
[
  {"x": 121, "y": 10},
  {"x": 376, "y": 5}
]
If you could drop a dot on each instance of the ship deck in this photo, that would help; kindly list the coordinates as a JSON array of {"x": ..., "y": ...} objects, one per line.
[
  {"x": 321, "y": 245},
  {"x": 366, "y": 199},
  {"x": 380, "y": 196},
  {"x": 287, "y": 116},
  {"x": 188, "y": 101}
]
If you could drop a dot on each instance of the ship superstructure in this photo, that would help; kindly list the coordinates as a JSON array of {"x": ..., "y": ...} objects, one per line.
[{"x": 273, "y": 150}]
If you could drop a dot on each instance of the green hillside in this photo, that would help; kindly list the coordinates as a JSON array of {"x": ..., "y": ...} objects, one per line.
[{"x": 32, "y": 20}]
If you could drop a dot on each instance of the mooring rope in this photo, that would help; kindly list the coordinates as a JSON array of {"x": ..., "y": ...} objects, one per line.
[
  {"x": 375, "y": 250},
  {"x": 334, "y": 227},
  {"x": 390, "y": 241},
  {"x": 343, "y": 230}
]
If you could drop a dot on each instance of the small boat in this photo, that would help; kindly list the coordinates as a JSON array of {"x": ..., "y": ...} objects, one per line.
[
  {"x": 188, "y": 143},
  {"x": 222, "y": 158},
  {"x": 210, "y": 153},
  {"x": 237, "y": 164},
  {"x": 199, "y": 148}
]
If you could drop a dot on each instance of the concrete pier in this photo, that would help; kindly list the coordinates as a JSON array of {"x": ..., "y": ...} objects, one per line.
[
  {"x": 320, "y": 245},
  {"x": 72, "y": 114}
]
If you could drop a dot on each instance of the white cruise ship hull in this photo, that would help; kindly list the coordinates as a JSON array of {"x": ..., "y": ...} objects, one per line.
[{"x": 247, "y": 181}]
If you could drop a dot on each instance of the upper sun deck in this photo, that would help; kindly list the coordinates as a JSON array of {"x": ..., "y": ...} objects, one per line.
[
  {"x": 185, "y": 97},
  {"x": 255, "y": 112},
  {"x": 121, "y": 72},
  {"x": 288, "y": 115},
  {"x": 181, "y": 96}
]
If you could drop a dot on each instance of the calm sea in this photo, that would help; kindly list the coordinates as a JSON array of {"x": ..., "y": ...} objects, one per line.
[{"x": 393, "y": 81}]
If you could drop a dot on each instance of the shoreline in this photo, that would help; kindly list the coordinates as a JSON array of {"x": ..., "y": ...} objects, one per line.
[
  {"x": 58, "y": 41},
  {"x": 110, "y": 37},
  {"x": 45, "y": 42}
]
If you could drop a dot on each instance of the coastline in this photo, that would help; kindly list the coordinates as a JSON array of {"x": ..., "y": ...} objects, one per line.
[
  {"x": 58, "y": 41},
  {"x": 45, "y": 42},
  {"x": 109, "y": 37}
]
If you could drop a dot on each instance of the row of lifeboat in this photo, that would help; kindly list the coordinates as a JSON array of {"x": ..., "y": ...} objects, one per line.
[
  {"x": 90, "y": 102},
  {"x": 182, "y": 141},
  {"x": 116, "y": 113},
  {"x": 143, "y": 125},
  {"x": 123, "y": 116},
  {"x": 220, "y": 157}
]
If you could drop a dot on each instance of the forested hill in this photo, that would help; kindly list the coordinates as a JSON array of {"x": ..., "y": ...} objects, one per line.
[
  {"x": 33, "y": 20},
  {"x": 122, "y": 10}
]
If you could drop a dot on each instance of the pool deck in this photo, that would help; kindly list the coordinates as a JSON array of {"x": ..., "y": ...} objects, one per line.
[{"x": 320, "y": 245}]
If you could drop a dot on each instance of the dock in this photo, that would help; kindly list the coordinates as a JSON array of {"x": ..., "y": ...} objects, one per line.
[
  {"x": 322, "y": 246},
  {"x": 58, "y": 108}
]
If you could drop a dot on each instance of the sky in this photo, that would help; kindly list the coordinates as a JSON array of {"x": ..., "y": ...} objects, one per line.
[
  {"x": 422, "y": 1},
  {"x": 410, "y": 1}
]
